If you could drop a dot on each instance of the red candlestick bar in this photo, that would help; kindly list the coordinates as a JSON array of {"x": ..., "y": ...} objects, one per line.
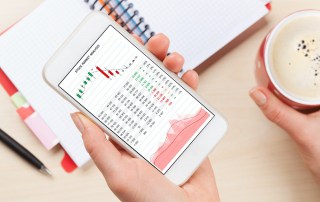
[
  {"x": 102, "y": 72},
  {"x": 110, "y": 72}
]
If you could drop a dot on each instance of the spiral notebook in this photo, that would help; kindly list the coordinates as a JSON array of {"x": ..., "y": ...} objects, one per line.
[{"x": 196, "y": 30}]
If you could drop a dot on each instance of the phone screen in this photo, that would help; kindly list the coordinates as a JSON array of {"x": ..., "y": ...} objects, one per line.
[{"x": 136, "y": 100}]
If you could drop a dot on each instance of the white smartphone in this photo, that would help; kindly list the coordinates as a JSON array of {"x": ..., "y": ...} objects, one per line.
[{"x": 110, "y": 77}]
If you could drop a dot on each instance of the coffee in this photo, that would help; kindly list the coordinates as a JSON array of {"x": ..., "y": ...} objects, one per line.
[{"x": 294, "y": 57}]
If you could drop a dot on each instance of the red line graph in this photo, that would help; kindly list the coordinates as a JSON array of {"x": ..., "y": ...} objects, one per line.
[{"x": 178, "y": 135}]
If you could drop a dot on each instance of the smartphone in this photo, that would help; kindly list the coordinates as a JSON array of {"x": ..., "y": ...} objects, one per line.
[{"x": 111, "y": 78}]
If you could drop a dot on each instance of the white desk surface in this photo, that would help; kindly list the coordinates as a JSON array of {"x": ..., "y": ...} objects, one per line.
[{"x": 256, "y": 161}]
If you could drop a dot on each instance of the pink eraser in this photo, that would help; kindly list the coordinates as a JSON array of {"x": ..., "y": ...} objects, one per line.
[{"x": 41, "y": 130}]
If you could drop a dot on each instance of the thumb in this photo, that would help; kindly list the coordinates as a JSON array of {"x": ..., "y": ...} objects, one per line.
[
  {"x": 279, "y": 113},
  {"x": 103, "y": 152}
]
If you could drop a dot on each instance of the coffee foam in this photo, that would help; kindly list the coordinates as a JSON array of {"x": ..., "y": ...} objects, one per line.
[{"x": 294, "y": 57}]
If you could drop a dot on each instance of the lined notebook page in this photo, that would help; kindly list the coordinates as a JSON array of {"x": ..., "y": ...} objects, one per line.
[
  {"x": 25, "y": 49},
  {"x": 199, "y": 29}
]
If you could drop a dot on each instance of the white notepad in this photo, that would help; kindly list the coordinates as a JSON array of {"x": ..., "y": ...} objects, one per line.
[
  {"x": 199, "y": 29},
  {"x": 24, "y": 50},
  {"x": 196, "y": 30}
]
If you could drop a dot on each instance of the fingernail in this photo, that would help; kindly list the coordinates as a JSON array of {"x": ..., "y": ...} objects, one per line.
[
  {"x": 258, "y": 97},
  {"x": 77, "y": 119}
]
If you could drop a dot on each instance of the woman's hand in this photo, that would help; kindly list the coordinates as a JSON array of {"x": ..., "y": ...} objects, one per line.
[{"x": 304, "y": 129}]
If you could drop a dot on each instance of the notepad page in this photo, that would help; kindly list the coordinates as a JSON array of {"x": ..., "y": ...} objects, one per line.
[
  {"x": 198, "y": 29},
  {"x": 25, "y": 49}
]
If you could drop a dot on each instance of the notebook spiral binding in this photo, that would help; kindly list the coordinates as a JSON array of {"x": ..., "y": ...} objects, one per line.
[{"x": 123, "y": 13}]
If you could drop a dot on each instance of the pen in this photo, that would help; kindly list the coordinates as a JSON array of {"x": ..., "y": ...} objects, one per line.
[{"x": 23, "y": 152}]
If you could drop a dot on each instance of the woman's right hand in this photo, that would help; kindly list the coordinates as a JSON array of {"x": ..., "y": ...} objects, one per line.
[{"x": 304, "y": 129}]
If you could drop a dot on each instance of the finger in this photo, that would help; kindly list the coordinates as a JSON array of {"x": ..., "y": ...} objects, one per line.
[
  {"x": 316, "y": 114},
  {"x": 174, "y": 62},
  {"x": 138, "y": 38},
  {"x": 191, "y": 78},
  {"x": 276, "y": 111},
  {"x": 158, "y": 45},
  {"x": 103, "y": 152}
]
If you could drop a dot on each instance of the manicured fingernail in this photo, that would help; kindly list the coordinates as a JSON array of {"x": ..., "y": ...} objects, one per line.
[
  {"x": 77, "y": 119},
  {"x": 258, "y": 97}
]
